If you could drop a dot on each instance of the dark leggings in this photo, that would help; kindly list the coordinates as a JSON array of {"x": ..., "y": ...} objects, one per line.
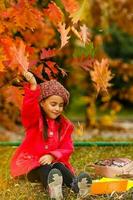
[{"x": 41, "y": 174}]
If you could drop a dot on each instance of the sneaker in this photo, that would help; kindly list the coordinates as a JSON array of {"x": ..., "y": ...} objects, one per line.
[
  {"x": 55, "y": 181},
  {"x": 84, "y": 183}
]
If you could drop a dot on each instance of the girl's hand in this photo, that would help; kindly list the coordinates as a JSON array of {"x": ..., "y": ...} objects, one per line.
[
  {"x": 31, "y": 79},
  {"x": 46, "y": 159}
]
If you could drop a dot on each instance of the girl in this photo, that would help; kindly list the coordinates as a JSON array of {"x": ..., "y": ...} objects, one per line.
[{"x": 44, "y": 153}]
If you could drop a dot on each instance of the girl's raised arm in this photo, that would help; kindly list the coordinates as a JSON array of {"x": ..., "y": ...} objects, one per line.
[
  {"x": 31, "y": 79},
  {"x": 30, "y": 108}
]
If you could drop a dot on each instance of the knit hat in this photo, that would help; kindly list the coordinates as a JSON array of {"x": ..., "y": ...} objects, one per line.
[{"x": 53, "y": 87}]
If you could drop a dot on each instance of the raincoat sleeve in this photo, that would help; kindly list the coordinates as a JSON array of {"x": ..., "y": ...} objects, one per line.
[
  {"x": 66, "y": 146},
  {"x": 30, "y": 108}
]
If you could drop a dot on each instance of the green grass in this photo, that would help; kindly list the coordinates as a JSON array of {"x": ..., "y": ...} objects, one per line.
[{"x": 23, "y": 190}]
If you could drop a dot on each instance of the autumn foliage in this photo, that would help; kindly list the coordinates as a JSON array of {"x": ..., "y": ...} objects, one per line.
[{"x": 37, "y": 36}]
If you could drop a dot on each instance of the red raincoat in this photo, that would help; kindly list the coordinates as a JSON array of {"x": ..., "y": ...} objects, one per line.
[{"x": 34, "y": 146}]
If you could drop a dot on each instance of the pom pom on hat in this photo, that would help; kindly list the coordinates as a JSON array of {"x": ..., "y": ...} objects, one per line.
[{"x": 53, "y": 87}]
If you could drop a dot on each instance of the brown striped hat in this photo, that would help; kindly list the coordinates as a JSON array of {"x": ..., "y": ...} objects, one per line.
[{"x": 53, "y": 87}]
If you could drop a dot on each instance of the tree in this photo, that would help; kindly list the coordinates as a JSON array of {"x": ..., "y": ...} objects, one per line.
[{"x": 37, "y": 36}]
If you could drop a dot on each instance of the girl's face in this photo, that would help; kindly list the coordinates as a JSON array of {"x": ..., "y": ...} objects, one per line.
[{"x": 53, "y": 106}]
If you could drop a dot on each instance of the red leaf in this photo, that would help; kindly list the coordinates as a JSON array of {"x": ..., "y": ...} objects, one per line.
[
  {"x": 38, "y": 71},
  {"x": 48, "y": 53},
  {"x": 48, "y": 72},
  {"x": 52, "y": 65},
  {"x": 87, "y": 63}
]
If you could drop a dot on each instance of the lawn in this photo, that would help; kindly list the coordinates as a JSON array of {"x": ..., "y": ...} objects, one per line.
[{"x": 83, "y": 156}]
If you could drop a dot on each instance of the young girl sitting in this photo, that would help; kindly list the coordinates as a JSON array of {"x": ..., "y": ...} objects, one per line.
[{"x": 44, "y": 153}]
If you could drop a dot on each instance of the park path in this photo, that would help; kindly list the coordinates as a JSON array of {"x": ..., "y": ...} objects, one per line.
[{"x": 121, "y": 130}]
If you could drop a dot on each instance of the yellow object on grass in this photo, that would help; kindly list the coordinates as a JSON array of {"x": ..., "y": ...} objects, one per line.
[{"x": 109, "y": 185}]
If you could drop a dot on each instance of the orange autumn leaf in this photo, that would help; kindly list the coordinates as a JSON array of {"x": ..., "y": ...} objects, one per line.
[
  {"x": 70, "y": 6},
  {"x": 101, "y": 75},
  {"x": 24, "y": 15},
  {"x": 20, "y": 55},
  {"x": 15, "y": 56},
  {"x": 2, "y": 28},
  {"x": 14, "y": 95},
  {"x": 6, "y": 43},
  {"x": 2, "y": 58},
  {"x": 54, "y": 13},
  {"x": 64, "y": 33}
]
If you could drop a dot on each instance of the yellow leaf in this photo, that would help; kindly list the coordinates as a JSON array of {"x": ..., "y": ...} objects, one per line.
[
  {"x": 81, "y": 13},
  {"x": 101, "y": 75}
]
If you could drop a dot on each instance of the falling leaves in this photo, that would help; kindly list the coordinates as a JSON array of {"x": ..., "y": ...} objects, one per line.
[
  {"x": 76, "y": 32},
  {"x": 80, "y": 14},
  {"x": 23, "y": 15},
  {"x": 48, "y": 53},
  {"x": 54, "y": 13},
  {"x": 64, "y": 34},
  {"x": 21, "y": 56},
  {"x": 15, "y": 53},
  {"x": 101, "y": 75},
  {"x": 52, "y": 66},
  {"x": 71, "y": 6},
  {"x": 38, "y": 72},
  {"x": 85, "y": 34}
]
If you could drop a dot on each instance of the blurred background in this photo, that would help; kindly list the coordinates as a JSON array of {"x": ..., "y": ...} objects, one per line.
[{"x": 96, "y": 117}]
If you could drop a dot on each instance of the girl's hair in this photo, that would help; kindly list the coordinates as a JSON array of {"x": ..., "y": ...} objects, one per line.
[{"x": 45, "y": 125}]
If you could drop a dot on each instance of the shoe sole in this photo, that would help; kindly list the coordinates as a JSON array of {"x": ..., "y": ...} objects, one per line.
[
  {"x": 84, "y": 181},
  {"x": 55, "y": 181}
]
